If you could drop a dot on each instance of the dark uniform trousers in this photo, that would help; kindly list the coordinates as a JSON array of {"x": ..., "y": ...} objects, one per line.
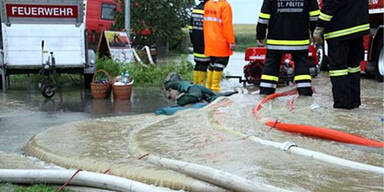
[
  {"x": 201, "y": 65},
  {"x": 218, "y": 63},
  {"x": 344, "y": 60},
  {"x": 272, "y": 69}
]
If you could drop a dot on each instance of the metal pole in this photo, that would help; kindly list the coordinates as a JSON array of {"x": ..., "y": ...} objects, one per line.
[
  {"x": 3, "y": 84},
  {"x": 3, "y": 72},
  {"x": 127, "y": 17}
]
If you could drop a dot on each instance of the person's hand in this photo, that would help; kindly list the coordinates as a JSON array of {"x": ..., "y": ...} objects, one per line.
[
  {"x": 174, "y": 94},
  {"x": 318, "y": 35},
  {"x": 232, "y": 46},
  {"x": 260, "y": 42}
]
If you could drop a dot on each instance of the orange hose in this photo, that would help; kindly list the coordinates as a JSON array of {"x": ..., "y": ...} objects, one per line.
[
  {"x": 312, "y": 130},
  {"x": 324, "y": 133},
  {"x": 258, "y": 107}
]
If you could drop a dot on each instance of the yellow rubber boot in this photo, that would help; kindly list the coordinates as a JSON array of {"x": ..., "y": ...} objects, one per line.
[
  {"x": 196, "y": 77},
  {"x": 216, "y": 78},
  {"x": 202, "y": 78},
  {"x": 208, "y": 83}
]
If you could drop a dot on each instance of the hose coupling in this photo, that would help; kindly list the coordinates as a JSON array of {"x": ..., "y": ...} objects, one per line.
[{"x": 287, "y": 145}]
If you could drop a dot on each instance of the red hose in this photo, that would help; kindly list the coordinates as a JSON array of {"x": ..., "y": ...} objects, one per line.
[
  {"x": 312, "y": 130},
  {"x": 292, "y": 103},
  {"x": 258, "y": 107},
  {"x": 325, "y": 133}
]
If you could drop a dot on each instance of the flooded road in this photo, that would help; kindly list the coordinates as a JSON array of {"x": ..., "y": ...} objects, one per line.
[
  {"x": 209, "y": 137},
  {"x": 25, "y": 113},
  {"x": 76, "y": 131}
]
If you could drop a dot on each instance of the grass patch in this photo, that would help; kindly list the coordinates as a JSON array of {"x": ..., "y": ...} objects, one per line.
[
  {"x": 245, "y": 36},
  {"x": 6, "y": 187},
  {"x": 147, "y": 74}
]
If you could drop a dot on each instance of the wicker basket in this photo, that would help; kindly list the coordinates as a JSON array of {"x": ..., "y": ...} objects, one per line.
[
  {"x": 122, "y": 91},
  {"x": 101, "y": 90}
]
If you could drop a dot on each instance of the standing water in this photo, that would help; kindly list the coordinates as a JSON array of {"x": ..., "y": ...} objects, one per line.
[
  {"x": 25, "y": 113},
  {"x": 197, "y": 136}
]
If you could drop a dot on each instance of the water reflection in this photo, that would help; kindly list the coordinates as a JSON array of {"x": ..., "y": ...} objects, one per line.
[
  {"x": 144, "y": 100},
  {"x": 101, "y": 106},
  {"x": 122, "y": 106},
  {"x": 24, "y": 112}
]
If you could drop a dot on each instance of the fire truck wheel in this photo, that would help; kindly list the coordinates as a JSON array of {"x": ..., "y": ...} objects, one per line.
[
  {"x": 323, "y": 60},
  {"x": 380, "y": 63},
  {"x": 48, "y": 91}
]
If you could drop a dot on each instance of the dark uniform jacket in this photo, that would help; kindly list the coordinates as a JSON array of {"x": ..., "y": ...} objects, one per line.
[
  {"x": 196, "y": 30},
  {"x": 288, "y": 22},
  {"x": 344, "y": 19}
]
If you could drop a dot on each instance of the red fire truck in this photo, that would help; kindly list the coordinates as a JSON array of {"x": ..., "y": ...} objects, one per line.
[
  {"x": 100, "y": 15},
  {"x": 373, "y": 62}
]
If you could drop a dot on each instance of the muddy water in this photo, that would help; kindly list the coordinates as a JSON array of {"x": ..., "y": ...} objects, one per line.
[
  {"x": 25, "y": 113},
  {"x": 196, "y": 135},
  {"x": 208, "y": 146}
]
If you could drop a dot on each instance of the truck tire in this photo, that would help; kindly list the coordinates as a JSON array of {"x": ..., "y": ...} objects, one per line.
[
  {"x": 380, "y": 62},
  {"x": 48, "y": 91},
  {"x": 323, "y": 59}
]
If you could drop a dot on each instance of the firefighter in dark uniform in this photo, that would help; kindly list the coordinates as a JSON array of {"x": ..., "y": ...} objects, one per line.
[
  {"x": 196, "y": 34},
  {"x": 288, "y": 23},
  {"x": 343, "y": 24}
]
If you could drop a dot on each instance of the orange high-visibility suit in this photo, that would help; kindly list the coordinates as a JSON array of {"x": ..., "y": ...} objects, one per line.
[
  {"x": 218, "y": 28},
  {"x": 219, "y": 39}
]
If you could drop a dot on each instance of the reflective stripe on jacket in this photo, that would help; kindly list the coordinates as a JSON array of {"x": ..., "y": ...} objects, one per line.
[
  {"x": 196, "y": 29},
  {"x": 344, "y": 19},
  {"x": 288, "y": 23},
  {"x": 218, "y": 28}
]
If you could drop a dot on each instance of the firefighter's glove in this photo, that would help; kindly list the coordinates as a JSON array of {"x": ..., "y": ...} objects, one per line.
[{"x": 318, "y": 35}]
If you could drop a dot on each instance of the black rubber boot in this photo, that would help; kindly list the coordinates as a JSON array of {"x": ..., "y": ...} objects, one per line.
[
  {"x": 266, "y": 91},
  {"x": 305, "y": 91}
]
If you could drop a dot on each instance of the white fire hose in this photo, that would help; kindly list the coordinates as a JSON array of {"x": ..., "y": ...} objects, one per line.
[
  {"x": 83, "y": 178},
  {"x": 211, "y": 175},
  {"x": 293, "y": 148}
]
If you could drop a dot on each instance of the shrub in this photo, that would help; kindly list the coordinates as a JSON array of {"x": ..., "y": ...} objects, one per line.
[
  {"x": 147, "y": 74},
  {"x": 112, "y": 67}
]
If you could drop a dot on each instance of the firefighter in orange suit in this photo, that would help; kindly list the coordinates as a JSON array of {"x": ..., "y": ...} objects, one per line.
[{"x": 219, "y": 39}]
